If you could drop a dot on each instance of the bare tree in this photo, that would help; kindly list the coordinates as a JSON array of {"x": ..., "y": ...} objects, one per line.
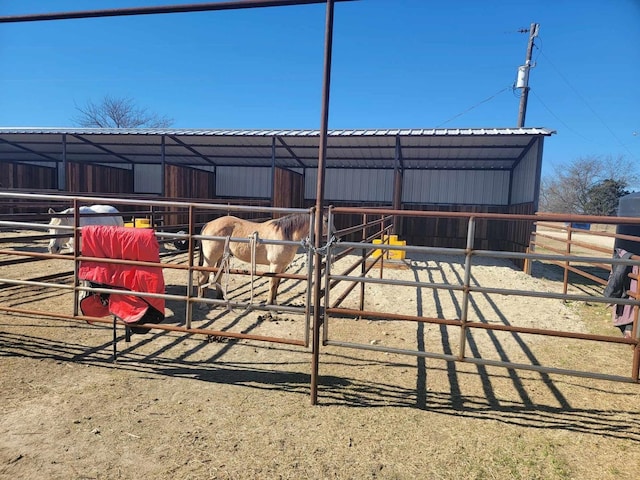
[
  {"x": 118, "y": 112},
  {"x": 571, "y": 188}
]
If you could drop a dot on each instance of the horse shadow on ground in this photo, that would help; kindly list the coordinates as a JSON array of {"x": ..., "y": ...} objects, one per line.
[{"x": 292, "y": 378}]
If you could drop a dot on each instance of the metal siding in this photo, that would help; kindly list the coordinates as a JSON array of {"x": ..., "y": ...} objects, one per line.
[
  {"x": 355, "y": 185},
  {"x": 147, "y": 179},
  {"x": 456, "y": 187},
  {"x": 358, "y": 185},
  {"x": 247, "y": 182},
  {"x": 524, "y": 177},
  {"x": 310, "y": 179}
]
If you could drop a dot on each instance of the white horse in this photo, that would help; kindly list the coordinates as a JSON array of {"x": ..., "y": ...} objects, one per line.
[{"x": 56, "y": 243}]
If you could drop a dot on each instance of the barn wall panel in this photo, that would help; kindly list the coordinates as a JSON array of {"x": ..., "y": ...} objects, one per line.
[
  {"x": 352, "y": 185},
  {"x": 147, "y": 178},
  {"x": 288, "y": 189},
  {"x": 243, "y": 182},
  {"x": 456, "y": 186},
  {"x": 23, "y": 175},
  {"x": 185, "y": 183},
  {"x": 91, "y": 178},
  {"x": 524, "y": 177},
  {"x": 452, "y": 232}
]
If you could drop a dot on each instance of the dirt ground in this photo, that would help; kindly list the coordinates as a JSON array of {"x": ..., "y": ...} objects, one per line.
[{"x": 176, "y": 406}]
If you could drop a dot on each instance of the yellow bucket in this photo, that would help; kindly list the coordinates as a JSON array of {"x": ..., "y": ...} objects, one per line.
[
  {"x": 139, "y": 223},
  {"x": 391, "y": 254}
]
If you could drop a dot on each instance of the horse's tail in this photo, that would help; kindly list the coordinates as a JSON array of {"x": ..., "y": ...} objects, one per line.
[
  {"x": 200, "y": 255},
  {"x": 197, "y": 244}
]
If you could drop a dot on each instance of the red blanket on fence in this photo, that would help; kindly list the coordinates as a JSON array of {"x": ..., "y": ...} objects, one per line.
[{"x": 125, "y": 244}]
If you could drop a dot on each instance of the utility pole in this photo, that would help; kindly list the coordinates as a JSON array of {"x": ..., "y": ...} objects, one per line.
[{"x": 523, "y": 74}]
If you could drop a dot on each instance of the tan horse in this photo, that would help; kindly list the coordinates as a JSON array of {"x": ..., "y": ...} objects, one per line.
[{"x": 292, "y": 227}]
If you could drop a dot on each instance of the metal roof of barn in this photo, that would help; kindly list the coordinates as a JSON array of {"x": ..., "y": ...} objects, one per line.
[{"x": 452, "y": 148}]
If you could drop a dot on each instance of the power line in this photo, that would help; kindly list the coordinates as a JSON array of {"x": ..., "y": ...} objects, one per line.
[
  {"x": 474, "y": 106},
  {"x": 559, "y": 119},
  {"x": 588, "y": 105}
]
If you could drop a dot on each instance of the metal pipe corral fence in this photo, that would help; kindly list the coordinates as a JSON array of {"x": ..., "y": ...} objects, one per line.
[{"x": 359, "y": 271}]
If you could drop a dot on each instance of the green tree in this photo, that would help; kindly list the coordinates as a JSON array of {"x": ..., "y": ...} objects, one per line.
[
  {"x": 587, "y": 185},
  {"x": 603, "y": 198},
  {"x": 118, "y": 112}
]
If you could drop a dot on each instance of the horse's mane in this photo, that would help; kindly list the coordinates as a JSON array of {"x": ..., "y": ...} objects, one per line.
[{"x": 291, "y": 223}]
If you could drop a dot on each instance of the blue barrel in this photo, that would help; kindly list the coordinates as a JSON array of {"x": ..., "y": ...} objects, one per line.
[{"x": 629, "y": 206}]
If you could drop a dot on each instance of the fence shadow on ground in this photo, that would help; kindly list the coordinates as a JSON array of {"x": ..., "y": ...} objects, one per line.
[{"x": 334, "y": 391}]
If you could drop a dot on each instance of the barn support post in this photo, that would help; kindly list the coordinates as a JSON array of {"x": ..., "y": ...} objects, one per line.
[
  {"x": 322, "y": 154},
  {"x": 398, "y": 174},
  {"x": 163, "y": 164},
  {"x": 273, "y": 170},
  {"x": 61, "y": 179}
]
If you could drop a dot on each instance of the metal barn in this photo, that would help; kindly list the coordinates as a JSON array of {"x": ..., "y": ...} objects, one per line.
[{"x": 494, "y": 170}]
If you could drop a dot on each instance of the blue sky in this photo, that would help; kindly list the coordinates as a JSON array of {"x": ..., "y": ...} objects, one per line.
[{"x": 396, "y": 64}]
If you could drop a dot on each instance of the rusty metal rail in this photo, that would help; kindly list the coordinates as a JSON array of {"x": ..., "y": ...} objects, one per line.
[
  {"x": 468, "y": 288},
  {"x": 561, "y": 240}
]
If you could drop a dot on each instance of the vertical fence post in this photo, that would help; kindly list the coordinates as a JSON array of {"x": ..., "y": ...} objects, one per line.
[
  {"x": 327, "y": 275},
  {"x": 363, "y": 267},
  {"x": 635, "y": 331},
  {"x": 310, "y": 270},
  {"x": 76, "y": 262},
  {"x": 565, "y": 277},
  {"x": 531, "y": 248},
  {"x": 466, "y": 282},
  {"x": 190, "y": 273},
  {"x": 382, "y": 252}
]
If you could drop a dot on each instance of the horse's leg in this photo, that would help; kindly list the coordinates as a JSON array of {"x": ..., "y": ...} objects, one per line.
[
  {"x": 209, "y": 256},
  {"x": 274, "y": 282},
  {"x": 218, "y": 287}
]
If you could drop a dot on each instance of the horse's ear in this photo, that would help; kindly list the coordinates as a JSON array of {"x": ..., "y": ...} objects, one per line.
[{"x": 51, "y": 210}]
